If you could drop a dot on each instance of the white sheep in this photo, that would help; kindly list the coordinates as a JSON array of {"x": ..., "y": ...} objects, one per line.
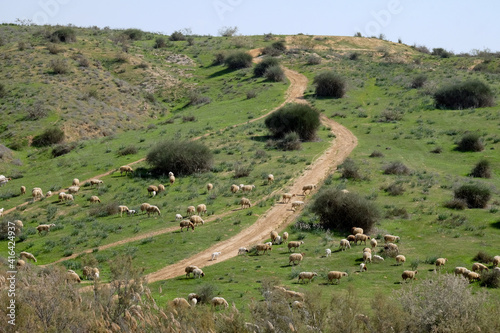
[
  {"x": 362, "y": 267},
  {"x": 161, "y": 188},
  {"x": 496, "y": 261},
  {"x": 295, "y": 258},
  {"x": 400, "y": 259},
  {"x": 270, "y": 178},
  {"x": 190, "y": 210},
  {"x": 274, "y": 234},
  {"x": 336, "y": 275},
  {"x": 460, "y": 270},
  {"x": 4, "y": 180},
  {"x": 210, "y": 187},
  {"x": 23, "y": 190},
  {"x": 194, "y": 296},
  {"x": 245, "y": 202},
  {"x": 198, "y": 273},
  {"x": 196, "y": 219},
  {"x": 391, "y": 238},
  {"x": 287, "y": 197},
  {"x": 307, "y": 275},
  {"x": 73, "y": 189},
  {"x": 144, "y": 207},
  {"x": 171, "y": 179},
  {"x": 180, "y": 302},
  {"x": 153, "y": 210},
  {"x": 409, "y": 275},
  {"x": 94, "y": 199},
  {"x": 44, "y": 227},
  {"x": 61, "y": 196},
  {"x": 126, "y": 169},
  {"x": 242, "y": 250},
  {"x": 178, "y": 216},
  {"x": 235, "y": 188},
  {"x": 69, "y": 197},
  {"x": 328, "y": 252},
  {"x": 189, "y": 269},
  {"x": 170, "y": 174},
  {"x": 263, "y": 248},
  {"x": 477, "y": 266},
  {"x": 247, "y": 188},
  {"x": 215, "y": 255},
  {"x": 285, "y": 237},
  {"x": 294, "y": 245},
  {"x": 269, "y": 243},
  {"x": 201, "y": 209},
  {"x": 219, "y": 301},
  {"x": 186, "y": 224},
  {"x": 131, "y": 212},
  {"x": 36, "y": 193},
  {"x": 1, "y": 211},
  {"x": 122, "y": 209},
  {"x": 296, "y": 204},
  {"x": 367, "y": 257},
  {"x": 440, "y": 262},
  {"x": 377, "y": 258},
  {"x": 27, "y": 255},
  {"x": 373, "y": 243},
  {"x": 48, "y": 194},
  {"x": 153, "y": 194},
  {"x": 94, "y": 181},
  {"x": 356, "y": 230},
  {"x": 308, "y": 187},
  {"x": 76, "y": 182},
  {"x": 344, "y": 244},
  {"x": 278, "y": 240}
]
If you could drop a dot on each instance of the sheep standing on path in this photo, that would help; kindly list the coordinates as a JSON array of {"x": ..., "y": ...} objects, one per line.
[
  {"x": 215, "y": 255},
  {"x": 186, "y": 224},
  {"x": 308, "y": 188},
  {"x": 287, "y": 197},
  {"x": 297, "y": 204},
  {"x": 95, "y": 182}
]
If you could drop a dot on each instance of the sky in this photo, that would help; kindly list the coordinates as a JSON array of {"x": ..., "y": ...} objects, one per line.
[{"x": 457, "y": 26}]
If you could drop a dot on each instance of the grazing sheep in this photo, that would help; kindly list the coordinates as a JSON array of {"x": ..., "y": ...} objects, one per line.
[
  {"x": 198, "y": 273},
  {"x": 245, "y": 202},
  {"x": 195, "y": 296},
  {"x": 440, "y": 262},
  {"x": 91, "y": 273},
  {"x": 242, "y": 250},
  {"x": 219, "y": 301},
  {"x": 1, "y": 211},
  {"x": 201, "y": 209},
  {"x": 496, "y": 261},
  {"x": 356, "y": 230},
  {"x": 336, "y": 275},
  {"x": 36, "y": 193},
  {"x": 373, "y": 243},
  {"x": 4, "y": 180},
  {"x": 170, "y": 174},
  {"x": 361, "y": 238},
  {"x": 180, "y": 302},
  {"x": 367, "y": 249},
  {"x": 210, "y": 187},
  {"x": 178, "y": 216},
  {"x": 296, "y": 204},
  {"x": 297, "y": 305},
  {"x": 20, "y": 263},
  {"x": 269, "y": 243},
  {"x": 153, "y": 194},
  {"x": 153, "y": 210},
  {"x": 171, "y": 179},
  {"x": 23, "y": 190},
  {"x": 69, "y": 197},
  {"x": 44, "y": 227},
  {"x": 71, "y": 276},
  {"x": 18, "y": 224},
  {"x": 126, "y": 169},
  {"x": 295, "y": 257},
  {"x": 186, "y": 224},
  {"x": 473, "y": 276},
  {"x": 144, "y": 207},
  {"x": 235, "y": 188},
  {"x": 161, "y": 188},
  {"x": 122, "y": 209},
  {"x": 285, "y": 237},
  {"x": 409, "y": 275},
  {"x": 291, "y": 293},
  {"x": 274, "y": 234},
  {"x": 190, "y": 210},
  {"x": 362, "y": 267},
  {"x": 308, "y": 187},
  {"x": 377, "y": 258},
  {"x": 73, "y": 189},
  {"x": 400, "y": 259},
  {"x": 351, "y": 238},
  {"x": 367, "y": 257},
  {"x": 328, "y": 252},
  {"x": 215, "y": 255},
  {"x": 460, "y": 270},
  {"x": 95, "y": 182},
  {"x": 344, "y": 191},
  {"x": 196, "y": 219},
  {"x": 27, "y": 255},
  {"x": 287, "y": 197},
  {"x": 152, "y": 188},
  {"x": 61, "y": 196},
  {"x": 263, "y": 248},
  {"x": 76, "y": 182},
  {"x": 131, "y": 212},
  {"x": 294, "y": 245},
  {"x": 307, "y": 275},
  {"x": 391, "y": 238},
  {"x": 48, "y": 194},
  {"x": 344, "y": 244},
  {"x": 270, "y": 178},
  {"x": 247, "y": 188},
  {"x": 94, "y": 199},
  {"x": 479, "y": 267},
  {"x": 278, "y": 240},
  {"x": 189, "y": 269}
]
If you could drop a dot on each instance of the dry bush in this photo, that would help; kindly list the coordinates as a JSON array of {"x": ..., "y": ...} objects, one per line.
[
  {"x": 481, "y": 170},
  {"x": 59, "y": 66},
  {"x": 396, "y": 168}
]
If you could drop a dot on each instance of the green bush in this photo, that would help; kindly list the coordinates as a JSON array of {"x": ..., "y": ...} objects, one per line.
[
  {"x": 418, "y": 81},
  {"x": 329, "y": 84},
  {"x": 219, "y": 59},
  {"x": 276, "y": 49},
  {"x": 481, "y": 170},
  {"x": 260, "y": 68},
  {"x": 470, "y": 142},
  {"x": 238, "y": 60},
  {"x": 299, "y": 118},
  {"x": 483, "y": 257},
  {"x": 342, "y": 211},
  {"x": 180, "y": 157},
  {"x": 275, "y": 74},
  {"x": 63, "y": 149},
  {"x": 396, "y": 168},
  {"x": 490, "y": 279},
  {"x": 160, "y": 42},
  {"x": 59, "y": 66},
  {"x": 442, "y": 53},
  {"x": 395, "y": 189},
  {"x": 468, "y": 94},
  {"x": 63, "y": 35},
  {"x": 111, "y": 208},
  {"x": 291, "y": 141},
  {"x": 475, "y": 195},
  {"x": 134, "y": 34},
  {"x": 177, "y": 36},
  {"x": 457, "y": 204},
  {"x": 49, "y": 137},
  {"x": 349, "y": 170},
  {"x": 129, "y": 150}
]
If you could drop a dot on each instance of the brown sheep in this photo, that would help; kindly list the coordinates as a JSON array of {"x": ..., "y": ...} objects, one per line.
[
  {"x": 440, "y": 262},
  {"x": 287, "y": 197},
  {"x": 295, "y": 257},
  {"x": 361, "y": 238},
  {"x": 336, "y": 275},
  {"x": 94, "y": 199},
  {"x": 190, "y": 210},
  {"x": 294, "y": 245},
  {"x": 152, "y": 188},
  {"x": 409, "y": 275},
  {"x": 479, "y": 267},
  {"x": 263, "y": 248},
  {"x": 209, "y": 187},
  {"x": 245, "y": 202},
  {"x": 307, "y": 188},
  {"x": 186, "y": 224},
  {"x": 23, "y": 190},
  {"x": 201, "y": 209},
  {"x": 126, "y": 169},
  {"x": 196, "y": 219},
  {"x": 356, "y": 230}
]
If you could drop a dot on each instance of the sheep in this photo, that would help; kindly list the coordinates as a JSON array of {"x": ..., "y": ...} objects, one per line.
[
  {"x": 153, "y": 209},
  {"x": 274, "y": 234},
  {"x": 18, "y": 224},
  {"x": 263, "y": 248},
  {"x": 440, "y": 262},
  {"x": 48, "y": 194},
  {"x": 400, "y": 259},
  {"x": 496, "y": 269},
  {"x": 242, "y": 250},
  {"x": 68, "y": 197},
  {"x": 247, "y": 188},
  {"x": 178, "y": 216},
  {"x": 356, "y": 230},
  {"x": 210, "y": 187},
  {"x": 285, "y": 237},
  {"x": 201, "y": 209},
  {"x": 362, "y": 267},
  {"x": 131, "y": 212},
  {"x": 377, "y": 258},
  {"x": 61, "y": 196},
  {"x": 479, "y": 267},
  {"x": 496, "y": 260},
  {"x": 361, "y": 238},
  {"x": 296, "y": 204},
  {"x": 287, "y": 197},
  {"x": 367, "y": 249},
  {"x": 190, "y": 210},
  {"x": 198, "y": 273},
  {"x": 180, "y": 302},
  {"x": 27, "y": 255},
  {"x": 409, "y": 275},
  {"x": 336, "y": 275},
  {"x": 245, "y": 202},
  {"x": 171, "y": 179},
  {"x": 328, "y": 252},
  {"x": 91, "y": 273},
  {"x": 20, "y": 263},
  {"x": 44, "y": 227},
  {"x": 351, "y": 238},
  {"x": 153, "y": 194},
  {"x": 189, "y": 269},
  {"x": 307, "y": 275},
  {"x": 122, "y": 209},
  {"x": 194, "y": 296},
  {"x": 186, "y": 224},
  {"x": 1, "y": 211},
  {"x": 73, "y": 189},
  {"x": 367, "y": 257},
  {"x": 294, "y": 244},
  {"x": 144, "y": 207},
  {"x": 196, "y": 219},
  {"x": 235, "y": 188},
  {"x": 215, "y": 255},
  {"x": 344, "y": 244},
  {"x": 126, "y": 169},
  {"x": 295, "y": 257},
  {"x": 345, "y": 191},
  {"x": 472, "y": 276},
  {"x": 4, "y": 180},
  {"x": 391, "y": 249},
  {"x": 76, "y": 182},
  {"x": 460, "y": 270},
  {"x": 391, "y": 238},
  {"x": 94, "y": 199},
  {"x": 269, "y": 243},
  {"x": 308, "y": 187},
  {"x": 71, "y": 276},
  {"x": 152, "y": 188},
  {"x": 94, "y": 181},
  {"x": 170, "y": 174},
  {"x": 278, "y": 240},
  {"x": 36, "y": 193},
  {"x": 373, "y": 243},
  {"x": 270, "y": 178},
  {"x": 297, "y": 304},
  {"x": 218, "y": 301},
  {"x": 23, "y": 190}
]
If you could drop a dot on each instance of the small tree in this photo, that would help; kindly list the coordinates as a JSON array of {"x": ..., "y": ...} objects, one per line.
[
  {"x": 329, "y": 84},
  {"x": 63, "y": 35},
  {"x": 468, "y": 94},
  {"x": 418, "y": 81},
  {"x": 238, "y": 60},
  {"x": 59, "y": 66},
  {"x": 180, "y": 157},
  {"x": 481, "y": 170},
  {"x": 49, "y": 137},
  {"x": 228, "y": 31},
  {"x": 300, "y": 118},
  {"x": 260, "y": 68},
  {"x": 160, "y": 42},
  {"x": 470, "y": 142},
  {"x": 134, "y": 34},
  {"x": 177, "y": 36},
  {"x": 275, "y": 73},
  {"x": 475, "y": 195},
  {"x": 349, "y": 169}
]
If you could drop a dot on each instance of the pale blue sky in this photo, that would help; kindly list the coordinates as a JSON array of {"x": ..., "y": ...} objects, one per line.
[{"x": 458, "y": 26}]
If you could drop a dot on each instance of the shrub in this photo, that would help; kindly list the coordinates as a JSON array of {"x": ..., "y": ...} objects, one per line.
[
  {"x": 227, "y": 31},
  {"x": 63, "y": 35},
  {"x": 442, "y": 53},
  {"x": 457, "y": 204},
  {"x": 418, "y": 81},
  {"x": 195, "y": 98},
  {"x": 388, "y": 116},
  {"x": 275, "y": 74},
  {"x": 160, "y": 42},
  {"x": 108, "y": 209},
  {"x": 260, "y": 68},
  {"x": 134, "y": 34},
  {"x": 490, "y": 279},
  {"x": 177, "y": 36},
  {"x": 342, "y": 211},
  {"x": 468, "y": 94},
  {"x": 299, "y": 118},
  {"x": 376, "y": 153},
  {"x": 238, "y": 60},
  {"x": 241, "y": 170},
  {"x": 313, "y": 60},
  {"x": 481, "y": 170},
  {"x": 36, "y": 111},
  {"x": 475, "y": 195},
  {"x": 396, "y": 168},
  {"x": 251, "y": 94},
  {"x": 180, "y": 157},
  {"x": 219, "y": 59},
  {"x": 353, "y": 56},
  {"x": 129, "y": 150},
  {"x": 59, "y": 66},
  {"x": 329, "y": 84},
  {"x": 3, "y": 91},
  {"x": 54, "y": 49},
  {"x": 63, "y": 149},
  {"x": 470, "y": 142},
  {"x": 437, "y": 150},
  {"x": 349, "y": 170},
  {"x": 48, "y": 137},
  {"x": 483, "y": 257},
  {"x": 291, "y": 141},
  {"x": 395, "y": 189}
]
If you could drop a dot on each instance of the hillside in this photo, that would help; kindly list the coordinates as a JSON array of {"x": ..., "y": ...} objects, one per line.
[{"x": 120, "y": 95}]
